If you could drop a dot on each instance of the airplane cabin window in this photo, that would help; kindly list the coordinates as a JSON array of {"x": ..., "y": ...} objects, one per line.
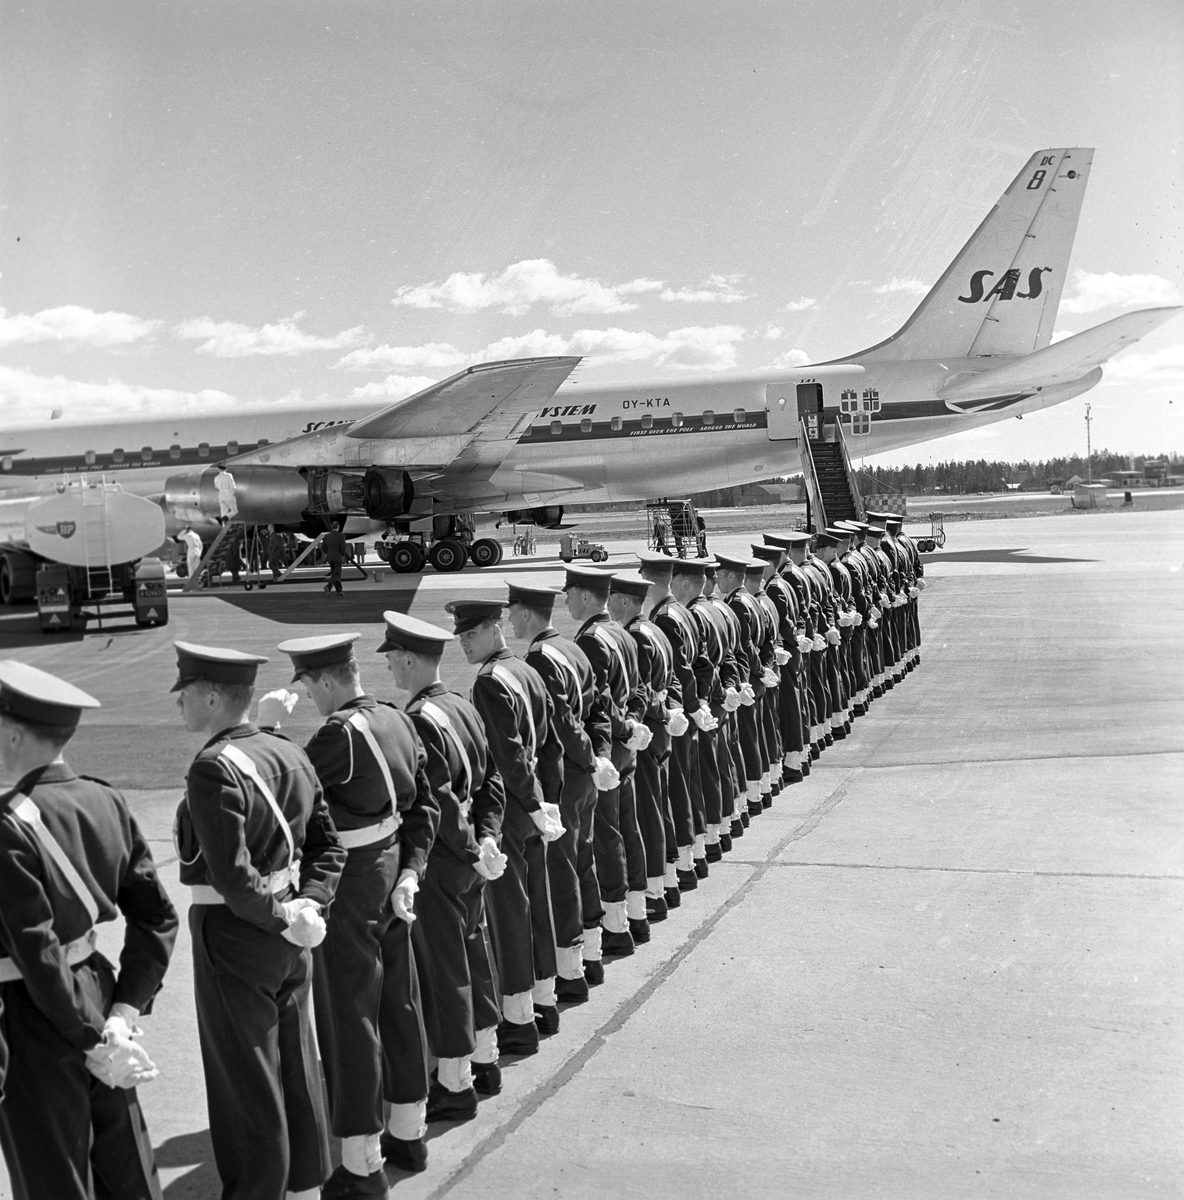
[
  {"x": 117, "y": 455},
  {"x": 586, "y": 425},
  {"x": 738, "y": 416},
  {"x": 174, "y": 451},
  {"x": 203, "y": 450},
  {"x": 89, "y": 456},
  {"x": 708, "y": 417},
  {"x": 6, "y": 463},
  {"x": 647, "y": 422},
  {"x": 232, "y": 448},
  {"x": 556, "y": 428},
  {"x": 146, "y": 454},
  {"x": 676, "y": 420},
  {"x": 615, "y": 424},
  {"x": 263, "y": 442}
]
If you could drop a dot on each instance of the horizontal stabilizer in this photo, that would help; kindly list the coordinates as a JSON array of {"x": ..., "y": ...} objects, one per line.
[
  {"x": 1063, "y": 361},
  {"x": 457, "y": 404}
]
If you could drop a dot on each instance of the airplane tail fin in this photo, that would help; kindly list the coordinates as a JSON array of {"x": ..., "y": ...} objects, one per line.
[{"x": 1000, "y": 295}]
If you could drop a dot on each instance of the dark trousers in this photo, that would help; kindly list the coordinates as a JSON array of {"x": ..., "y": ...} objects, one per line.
[
  {"x": 334, "y": 575},
  {"x": 453, "y": 957},
  {"x": 259, "y": 1055},
  {"x": 577, "y": 803},
  {"x": 709, "y": 781},
  {"x": 608, "y": 836},
  {"x": 400, "y": 1020},
  {"x": 519, "y": 906},
  {"x": 790, "y": 710},
  {"x": 347, "y": 986},
  {"x": 820, "y": 689},
  {"x": 686, "y": 793},
  {"x": 59, "y": 1126},
  {"x": 635, "y": 860},
  {"x": 771, "y": 726},
  {"x": 748, "y": 728},
  {"x": 650, "y": 792}
]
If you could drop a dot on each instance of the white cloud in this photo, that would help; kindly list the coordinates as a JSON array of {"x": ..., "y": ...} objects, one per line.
[
  {"x": 1160, "y": 369},
  {"x": 521, "y": 285},
  {"x": 773, "y": 332},
  {"x": 910, "y": 287},
  {"x": 229, "y": 339},
  {"x": 28, "y": 397},
  {"x": 800, "y": 305},
  {"x": 72, "y": 323},
  {"x": 791, "y": 358},
  {"x": 705, "y": 348},
  {"x": 716, "y": 289},
  {"x": 393, "y": 387},
  {"x": 1092, "y": 292},
  {"x": 431, "y": 355}
]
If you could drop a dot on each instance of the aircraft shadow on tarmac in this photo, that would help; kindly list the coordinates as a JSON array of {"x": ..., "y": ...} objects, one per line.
[{"x": 1015, "y": 556}]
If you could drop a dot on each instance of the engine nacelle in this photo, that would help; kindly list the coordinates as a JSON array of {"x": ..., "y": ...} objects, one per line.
[
  {"x": 264, "y": 495},
  {"x": 548, "y": 516},
  {"x": 387, "y": 493}
]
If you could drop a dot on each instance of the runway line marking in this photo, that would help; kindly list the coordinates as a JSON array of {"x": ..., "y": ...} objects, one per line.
[
  {"x": 979, "y": 870},
  {"x": 533, "y": 1100}
]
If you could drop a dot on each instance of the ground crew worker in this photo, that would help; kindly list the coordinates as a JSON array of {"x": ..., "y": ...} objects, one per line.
[
  {"x": 369, "y": 1017},
  {"x": 516, "y": 710},
  {"x": 616, "y": 836},
  {"x": 262, "y": 860},
  {"x": 276, "y": 553},
  {"x": 71, "y": 857},
  {"x": 192, "y": 550},
  {"x": 584, "y": 734},
  {"x": 451, "y": 938},
  {"x": 335, "y": 550}
]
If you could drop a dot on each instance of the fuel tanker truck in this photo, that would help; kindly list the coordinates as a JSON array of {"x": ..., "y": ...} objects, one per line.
[{"x": 86, "y": 542}]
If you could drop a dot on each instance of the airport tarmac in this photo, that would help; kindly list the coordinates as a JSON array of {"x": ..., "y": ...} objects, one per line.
[{"x": 948, "y": 964}]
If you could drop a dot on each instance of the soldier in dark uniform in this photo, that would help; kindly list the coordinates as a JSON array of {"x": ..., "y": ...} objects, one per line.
[
  {"x": 584, "y": 735},
  {"x": 616, "y": 835},
  {"x": 262, "y": 860},
  {"x": 731, "y": 762},
  {"x": 451, "y": 938},
  {"x": 759, "y": 569},
  {"x": 516, "y": 710},
  {"x": 369, "y": 1017},
  {"x": 69, "y": 1113},
  {"x": 789, "y": 659},
  {"x": 662, "y": 699}
]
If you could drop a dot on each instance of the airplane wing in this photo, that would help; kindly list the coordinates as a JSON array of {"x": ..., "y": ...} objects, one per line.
[
  {"x": 457, "y": 404},
  {"x": 1063, "y": 361}
]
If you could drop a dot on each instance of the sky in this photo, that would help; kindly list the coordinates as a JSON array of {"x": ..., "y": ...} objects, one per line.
[{"x": 207, "y": 205}]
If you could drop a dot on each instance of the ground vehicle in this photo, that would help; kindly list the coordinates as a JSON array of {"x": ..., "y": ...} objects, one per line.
[
  {"x": 571, "y": 547},
  {"x": 675, "y": 524},
  {"x": 937, "y": 534}
]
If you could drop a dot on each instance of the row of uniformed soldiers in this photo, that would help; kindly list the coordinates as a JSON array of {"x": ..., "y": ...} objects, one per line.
[{"x": 441, "y": 878}]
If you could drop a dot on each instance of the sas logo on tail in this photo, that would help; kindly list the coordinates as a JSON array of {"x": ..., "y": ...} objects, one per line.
[{"x": 1005, "y": 287}]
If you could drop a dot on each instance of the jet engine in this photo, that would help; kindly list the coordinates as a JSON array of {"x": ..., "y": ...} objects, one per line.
[
  {"x": 548, "y": 516},
  {"x": 387, "y": 493}
]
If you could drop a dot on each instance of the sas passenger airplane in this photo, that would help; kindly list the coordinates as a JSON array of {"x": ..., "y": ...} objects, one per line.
[{"x": 517, "y": 438}]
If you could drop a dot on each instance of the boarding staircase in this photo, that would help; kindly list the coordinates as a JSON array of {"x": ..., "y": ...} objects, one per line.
[{"x": 832, "y": 491}]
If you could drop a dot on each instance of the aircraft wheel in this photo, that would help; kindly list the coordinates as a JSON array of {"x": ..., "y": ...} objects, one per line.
[
  {"x": 501, "y": 552},
  {"x": 406, "y": 558},
  {"x": 485, "y": 552},
  {"x": 447, "y": 555},
  {"x": 247, "y": 587}
]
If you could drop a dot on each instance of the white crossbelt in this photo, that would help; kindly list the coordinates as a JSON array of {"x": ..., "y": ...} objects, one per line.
[
  {"x": 82, "y": 947},
  {"x": 369, "y": 835},
  {"x": 277, "y": 881},
  {"x": 506, "y": 676},
  {"x": 442, "y": 722}
]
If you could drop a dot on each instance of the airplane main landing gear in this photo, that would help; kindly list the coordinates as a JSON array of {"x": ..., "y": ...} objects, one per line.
[
  {"x": 485, "y": 552},
  {"x": 405, "y": 558},
  {"x": 447, "y": 555}
]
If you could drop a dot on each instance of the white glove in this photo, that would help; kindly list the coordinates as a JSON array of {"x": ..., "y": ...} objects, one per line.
[
  {"x": 877, "y": 613},
  {"x": 546, "y": 821},
  {"x": 843, "y": 620},
  {"x": 747, "y": 695},
  {"x": 306, "y": 926},
  {"x": 678, "y": 723},
  {"x": 819, "y": 642},
  {"x": 899, "y": 601},
  {"x": 833, "y": 636},
  {"x": 805, "y": 644},
  {"x": 492, "y": 863},
  {"x": 731, "y": 699},
  {"x": 274, "y": 707},
  {"x": 703, "y": 717},
  {"x": 640, "y": 737},
  {"x": 605, "y": 776},
  {"x": 884, "y": 601},
  {"x": 660, "y": 697},
  {"x": 118, "y": 1061},
  {"x": 403, "y": 896},
  {"x": 921, "y": 585},
  {"x": 858, "y": 619},
  {"x": 770, "y": 678},
  {"x": 873, "y": 624},
  {"x": 914, "y": 592},
  {"x": 781, "y": 655}
]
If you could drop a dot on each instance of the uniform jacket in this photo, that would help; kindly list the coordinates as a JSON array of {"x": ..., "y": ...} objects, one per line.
[
  {"x": 352, "y": 778},
  {"x": 682, "y": 632},
  {"x": 470, "y": 809},
  {"x": 514, "y": 748},
  {"x": 40, "y": 912},
  {"x": 572, "y": 688},
  {"x": 613, "y": 655},
  {"x": 227, "y": 834}
]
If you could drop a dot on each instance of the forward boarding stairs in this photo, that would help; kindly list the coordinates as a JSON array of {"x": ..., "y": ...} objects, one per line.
[{"x": 832, "y": 493}]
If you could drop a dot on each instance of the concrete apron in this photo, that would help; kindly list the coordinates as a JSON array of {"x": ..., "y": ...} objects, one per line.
[{"x": 946, "y": 965}]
